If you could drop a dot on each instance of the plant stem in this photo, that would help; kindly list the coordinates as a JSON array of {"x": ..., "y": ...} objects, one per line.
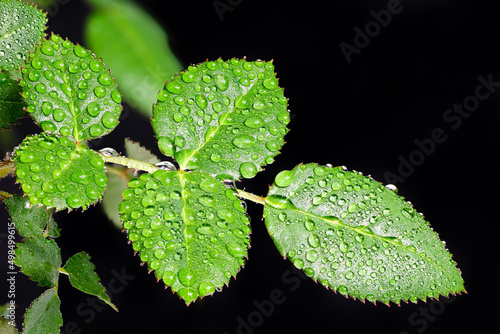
[
  {"x": 63, "y": 271},
  {"x": 130, "y": 163},
  {"x": 150, "y": 168},
  {"x": 251, "y": 197},
  {"x": 4, "y": 195}
]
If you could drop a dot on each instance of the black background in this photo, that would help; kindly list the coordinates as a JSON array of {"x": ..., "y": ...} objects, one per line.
[{"x": 366, "y": 115}]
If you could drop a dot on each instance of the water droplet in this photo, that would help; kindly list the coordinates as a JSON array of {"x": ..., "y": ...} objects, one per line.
[
  {"x": 93, "y": 109},
  {"x": 206, "y": 288},
  {"x": 205, "y": 230},
  {"x": 59, "y": 115},
  {"x": 244, "y": 141},
  {"x": 174, "y": 87},
  {"x": 188, "y": 77},
  {"x": 80, "y": 177},
  {"x": 34, "y": 76},
  {"x": 105, "y": 79},
  {"x": 283, "y": 117},
  {"x": 312, "y": 256},
  {"x": 349, "y": 275},
  {"x": 74, "y": 201},
  {"x": 272, "y": 145},
  {"x": 116, "y": 96},
  {"x": 313, "y": 241},
  {"x": 317, "y": 200},
  {"x": 100, "y": 91},
  {"x": 248, "y": 170},
  {"x": 40, "y": 88},
  {"x": 270, "y": 83},
  {"x": 392, "y": 187},
  {"x": 359, "y": 238},
  {"x": 201, "y": 101},
  {"x": 343, "y": 290},
  {"x": 186, "y": 277},
  {"x": 309, "y": 224},
  {"x": 207, "y": 201},
  {"x": 160, "y": 254},
  {"x": 236, "y": 249},
  {"x": 284, "y": 178},
  {"x": 216, "y": 157},
  {"x": 96, "y": 66},
  {"x": 166, "y": 165},
  {"x": 47, "y": 108},
  {"x": 48, "y": 126},
  {"x": 109, "y": 120},
  {"x": 169, "y": 215},
  {"x": 299, "y": 263},
  {"x": 96, "y": 130},
  {"x": 254, "y": 122},
  {"x": 47, "y": 49},
  {"x": 241, "y": 102}
]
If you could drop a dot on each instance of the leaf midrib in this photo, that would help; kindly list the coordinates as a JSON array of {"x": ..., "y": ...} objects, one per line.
[
  {"x": 371, "y": 235},
  {"x": 182, "y": 181},
  {"x": 71, "y": 106},
  {"x": 244, "y": 91}
]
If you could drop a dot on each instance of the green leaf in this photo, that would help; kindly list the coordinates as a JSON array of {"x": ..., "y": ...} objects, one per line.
[
  {"x": 188, "y": 227},
  {"x": 39, "y": 258},
  {"x": 222, "y": 117},
  {"x": 44, "y": 314},
  {"x": 56, "y": 172},
  {"x": 29, "y": 221},
  {"x": 11, "y": 103},
  {"x": 135, "y": 47},
  {"x": 22, "y": 28},
  {"x": 82, "y": 277},
  {"x": 69, "y": 92},
  {"x": 357, "y": 237}
]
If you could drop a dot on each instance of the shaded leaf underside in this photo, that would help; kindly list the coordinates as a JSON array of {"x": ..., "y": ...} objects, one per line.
[
  {"x": 82, "y": 277},
  {"x": 11, "y": 103},
  {"x": 44, "y": 314}
]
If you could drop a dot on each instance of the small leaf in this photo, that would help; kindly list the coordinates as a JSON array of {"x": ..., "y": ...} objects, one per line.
[
  {"x": 118, "y": 180},
  {"x": 222, "y": 117},
  {"x": 188, "y": 227},
  {"x": 29, "y": 221},
  {"x": 52, "y": 230},
  {"x": 22, "y": 28},
  {"x": 135, "y": 47},
  {"x": 11, "y": 103},
  {"x": 82, "y": 277},
  {"x": 117, "y": 183},
  {"x": 357, "y": 237},
  {"x": 39, "y": 258},
  {"x": 44, "y": 314},
  {"x": 58, "y": 173},
  {"x": 69, "y": 92},
  {"x": 137, "y": 152}
]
